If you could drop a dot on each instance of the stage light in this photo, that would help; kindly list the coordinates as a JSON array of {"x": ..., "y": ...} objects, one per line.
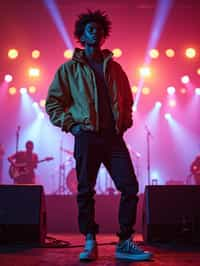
[
  {"x": 32, "y": 89},
  {"x": 12, "y": 90},
  {"x": 34, "y": 72},
  {"x": 35, "y": 104},
  {"x": 35, "y": 54},
  {"x": 42, "y": 103},
  {"x": 172, "y": 103},
  {"x": 171, "y": 90},
  {"x": 197, "y": 91},
  {"x": 117, "y": 52},
  {"x": 145, "y": 72},
  {"x": 134, "y": 108},
  {"x": 170, "y": 53},
  {"x": 68, "y": 53},
  {"x": 134, "y": 89},
  {"x": 158, "y": 104},
  {"x": 23, "y": 90},
  {"x": 154, "y": 53},
  {"x": 145, "y": 90},
  {"x": 198, "y": 71},
  {"x": 8, "y": 78},
  {"x": 183, "y": 90},
  {"x": 190, "y": 52},
  {"x": 185, "y": 79},
  {"x": 13, "y": 53},
  {"x": 168, "y": 116}
]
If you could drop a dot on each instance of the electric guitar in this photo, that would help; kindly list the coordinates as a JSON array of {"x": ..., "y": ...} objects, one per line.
[{"x": 20, "y": 169}]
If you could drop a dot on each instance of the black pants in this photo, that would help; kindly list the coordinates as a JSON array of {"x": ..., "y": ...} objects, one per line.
[{"x": 92, "y": 149}]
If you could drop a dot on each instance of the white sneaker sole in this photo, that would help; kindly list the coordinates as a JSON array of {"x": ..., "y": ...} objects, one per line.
[
  {"x": 88, "y": 257},
  {"x": 138, "y": 257}
]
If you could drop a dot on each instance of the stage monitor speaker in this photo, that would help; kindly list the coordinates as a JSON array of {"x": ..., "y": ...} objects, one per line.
[
  {"x": 22, "y": 214},
  {"x": 171, "y": 213}
]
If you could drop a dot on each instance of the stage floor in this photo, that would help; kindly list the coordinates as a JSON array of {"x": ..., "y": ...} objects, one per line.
[{"x": 57, "y": 253}]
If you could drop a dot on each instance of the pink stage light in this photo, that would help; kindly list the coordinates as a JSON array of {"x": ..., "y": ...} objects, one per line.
[
  {"x": 158, "y": 104},
  {"x": 167, "y": 116},
  {"x": 183, "y": 90},
  {"x": 23, "y": 90},
  {"x": 197, "y": 91},
  {"x": 171, "y": 90},
  {"x": 8, "y": 78},
  {"x": 185, "y": 79},
  {"x": 172, "y": 103}
]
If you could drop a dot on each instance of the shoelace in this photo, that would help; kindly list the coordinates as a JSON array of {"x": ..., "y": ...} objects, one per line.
[{"x": 132, "y": 246}]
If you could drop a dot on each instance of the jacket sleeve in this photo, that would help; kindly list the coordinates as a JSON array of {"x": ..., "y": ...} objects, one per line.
[
  {"x": 127, "y": 101},
  {"x": 59, "y": 100}
]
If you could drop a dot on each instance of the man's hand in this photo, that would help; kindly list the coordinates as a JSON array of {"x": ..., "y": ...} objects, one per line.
[{"x": 76, "y": 129}]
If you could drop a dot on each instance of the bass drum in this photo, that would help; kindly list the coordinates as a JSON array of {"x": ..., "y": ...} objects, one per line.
[{"x": 71, "y": 181}]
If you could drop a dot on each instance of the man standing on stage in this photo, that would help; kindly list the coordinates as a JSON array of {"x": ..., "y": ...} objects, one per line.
[{"x": 90, "y": 97}]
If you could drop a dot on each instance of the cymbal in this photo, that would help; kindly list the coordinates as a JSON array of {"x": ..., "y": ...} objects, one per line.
[{"x": 67, "y": 151}]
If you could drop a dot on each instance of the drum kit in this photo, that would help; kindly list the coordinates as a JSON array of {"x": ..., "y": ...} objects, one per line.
[{"x": 68, "y": 179}]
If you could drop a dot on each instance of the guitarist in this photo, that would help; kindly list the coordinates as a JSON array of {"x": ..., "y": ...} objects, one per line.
[
  {"x": 2, "y": 151},
  {"x": 195, "y": 169},
  {"x": 23, "y": 164}
]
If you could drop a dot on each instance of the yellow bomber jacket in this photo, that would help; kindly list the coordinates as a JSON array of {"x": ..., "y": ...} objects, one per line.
[{"x": 73, "y": 98}]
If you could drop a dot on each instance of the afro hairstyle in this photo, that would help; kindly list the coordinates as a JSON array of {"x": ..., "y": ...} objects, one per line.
[{"x": 97, "y": 16}]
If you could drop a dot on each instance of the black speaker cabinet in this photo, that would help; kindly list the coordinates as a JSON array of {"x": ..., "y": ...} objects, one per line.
[
  {"x": 171, "y": 213},
  {"x": 22, "y": 214}
]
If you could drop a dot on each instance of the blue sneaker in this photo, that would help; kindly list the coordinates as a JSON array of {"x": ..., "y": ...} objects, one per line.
[
  {"x": 128, "y": 250},
  {"x": 90, "y": 251}
]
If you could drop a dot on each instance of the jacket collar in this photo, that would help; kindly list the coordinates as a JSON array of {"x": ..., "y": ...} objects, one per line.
[{"x": 80, "y": 57}]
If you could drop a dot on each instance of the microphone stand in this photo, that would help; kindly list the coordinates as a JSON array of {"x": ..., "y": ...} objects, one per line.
[
  {"x": 61, "y": 186},
  {"x": 148, "y": 136},
  {"x": 17, "y": 138}
]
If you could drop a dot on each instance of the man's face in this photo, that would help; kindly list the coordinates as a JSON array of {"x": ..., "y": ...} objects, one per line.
[
  {"x": 29, "y": 146},
  {"x": 93, "y": 34}
]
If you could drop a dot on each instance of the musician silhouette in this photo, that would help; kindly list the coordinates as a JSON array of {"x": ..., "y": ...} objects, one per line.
[
  {"x": 23, "y": 164},
  {"x": 2, "y": 151},
  {"x": 195, "y": 169}
]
